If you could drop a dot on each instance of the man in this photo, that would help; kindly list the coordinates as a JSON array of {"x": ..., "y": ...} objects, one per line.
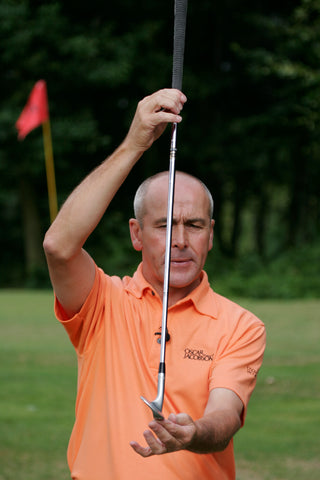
[{"x": 215, "y": 348}]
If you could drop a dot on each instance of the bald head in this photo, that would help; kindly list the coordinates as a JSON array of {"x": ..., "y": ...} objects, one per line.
[{"x": 141, "y": 197}]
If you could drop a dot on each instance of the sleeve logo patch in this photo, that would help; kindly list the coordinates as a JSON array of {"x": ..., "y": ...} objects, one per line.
[{"x": 252, "y": 371}]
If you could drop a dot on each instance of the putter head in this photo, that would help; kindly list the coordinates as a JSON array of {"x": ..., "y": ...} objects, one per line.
[{"x": 157, "y": 415}]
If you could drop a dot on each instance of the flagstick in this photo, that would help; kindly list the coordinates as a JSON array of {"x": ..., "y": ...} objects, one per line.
[{"x": 48, "y": 153}]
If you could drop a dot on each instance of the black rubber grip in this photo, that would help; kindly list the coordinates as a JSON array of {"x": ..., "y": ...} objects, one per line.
[{"x": 180, "y": 19}]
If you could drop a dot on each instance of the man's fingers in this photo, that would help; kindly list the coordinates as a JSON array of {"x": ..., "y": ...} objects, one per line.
[
  {"x": 168, "y": 435},
  {"x": 152, "y": 116},
  {"x": 163, "y": 436},
  {"x": 165, "y": 101},
  {"x": 165, "y": 117},
  {"x": 155, "y": 446},
  {"x": 143, "y": 451},
  {"x": 155, "y": 443}
]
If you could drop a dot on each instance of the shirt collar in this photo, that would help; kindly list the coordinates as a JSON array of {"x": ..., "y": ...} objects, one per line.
[
  {"x": 137, "y": 284},
  {"x": 202, "y": 297}
]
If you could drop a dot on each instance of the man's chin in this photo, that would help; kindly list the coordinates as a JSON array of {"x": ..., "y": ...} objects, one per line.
[{"x": 183, "y": 281}]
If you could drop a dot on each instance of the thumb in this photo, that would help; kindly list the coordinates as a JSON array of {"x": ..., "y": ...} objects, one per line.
[{"x": 180, "y": 419}]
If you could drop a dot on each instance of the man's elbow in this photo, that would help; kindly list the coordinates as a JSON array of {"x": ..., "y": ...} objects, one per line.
[
  {"x": 219, "y": 447},
  {"x": 55, "y": 249}
]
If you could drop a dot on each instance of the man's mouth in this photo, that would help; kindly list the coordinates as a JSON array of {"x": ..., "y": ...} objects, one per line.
[{"x": 180, "y": 261}]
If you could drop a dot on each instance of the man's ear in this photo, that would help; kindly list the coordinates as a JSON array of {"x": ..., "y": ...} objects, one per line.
[
  {"x": 211, "y": 235},
  {"x": 135, "y": 234}
]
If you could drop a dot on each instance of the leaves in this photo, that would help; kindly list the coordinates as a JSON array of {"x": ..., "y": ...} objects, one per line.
[{"x": 250, "y": 128}]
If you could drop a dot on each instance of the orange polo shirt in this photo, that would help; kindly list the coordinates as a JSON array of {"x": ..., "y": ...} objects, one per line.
[{"x": 214, "y": 343}]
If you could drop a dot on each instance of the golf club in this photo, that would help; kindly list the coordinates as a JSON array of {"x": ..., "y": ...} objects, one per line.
[{"x": 180, "y": 16}]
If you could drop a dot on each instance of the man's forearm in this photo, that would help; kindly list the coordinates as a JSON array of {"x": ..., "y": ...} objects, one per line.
[
  {"x": 214, "y": 431},
  {"x": 72, "y": 269},
  {"x": 86, "y": 205}
]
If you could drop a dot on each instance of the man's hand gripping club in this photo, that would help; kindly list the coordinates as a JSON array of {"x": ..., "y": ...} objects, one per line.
[
  {"x": 210, "y": 433},
  {"x": 152, "y": 116},
  {"x": 169, "y": 435}
]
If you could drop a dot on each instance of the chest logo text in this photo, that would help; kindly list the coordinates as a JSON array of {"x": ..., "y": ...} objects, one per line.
[{"x": 194, "y": 354}]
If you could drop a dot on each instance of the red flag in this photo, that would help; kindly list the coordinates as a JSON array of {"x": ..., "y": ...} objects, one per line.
[{"x": 35, "y": 112}]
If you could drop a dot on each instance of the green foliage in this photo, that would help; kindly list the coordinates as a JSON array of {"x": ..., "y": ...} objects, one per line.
[
  {"x": 283, "y": 68},
  {"x": 250, "y": 130},
  {"x": 294, "y": 274}
]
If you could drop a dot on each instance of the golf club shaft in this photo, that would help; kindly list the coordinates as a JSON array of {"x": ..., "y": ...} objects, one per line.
[
  {"x": 166, "y": 278},
  {"x": 180, "y": 15}
]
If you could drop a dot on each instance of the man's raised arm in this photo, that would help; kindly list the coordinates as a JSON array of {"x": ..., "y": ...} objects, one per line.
[{"x": 70, "y": 266}]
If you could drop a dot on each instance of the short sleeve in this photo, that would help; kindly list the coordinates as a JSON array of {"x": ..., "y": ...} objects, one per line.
[
  {"x": 83, "y": 326},
  {"x": 239, "y": 357}
]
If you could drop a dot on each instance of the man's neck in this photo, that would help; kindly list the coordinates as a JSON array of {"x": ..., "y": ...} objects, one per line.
[{"x": 176, "y": 294}]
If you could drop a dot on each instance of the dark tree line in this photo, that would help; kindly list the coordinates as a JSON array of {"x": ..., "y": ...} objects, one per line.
[{"x": 250, "y": 128}]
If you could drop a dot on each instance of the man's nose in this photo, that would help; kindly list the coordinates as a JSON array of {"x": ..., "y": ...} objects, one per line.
[{"x": 179, "y": 237}]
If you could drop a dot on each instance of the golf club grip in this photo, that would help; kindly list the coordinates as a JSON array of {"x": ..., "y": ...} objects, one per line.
[{"x": 180, "y": 18}]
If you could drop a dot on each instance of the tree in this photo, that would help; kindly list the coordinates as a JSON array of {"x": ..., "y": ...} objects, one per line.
[
  {"x": 89, "y": 65},
  {"x": 252, "y": 80},
  {"x": 284, "y": 68}
]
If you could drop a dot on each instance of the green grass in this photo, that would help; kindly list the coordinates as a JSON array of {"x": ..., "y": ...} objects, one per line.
[
  {"x": 280, "y": 439},
  {"x": 38, "y": 383}
]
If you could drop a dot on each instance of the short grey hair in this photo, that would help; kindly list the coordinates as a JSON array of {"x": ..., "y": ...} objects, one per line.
[{"x": 139, "y": 205}]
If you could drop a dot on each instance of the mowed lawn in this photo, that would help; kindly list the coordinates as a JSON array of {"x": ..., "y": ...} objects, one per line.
[{"x": 280, "y": 440}]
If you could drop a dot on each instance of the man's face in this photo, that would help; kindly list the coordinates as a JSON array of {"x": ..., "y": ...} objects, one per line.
[{"x": 192, "y": 235}]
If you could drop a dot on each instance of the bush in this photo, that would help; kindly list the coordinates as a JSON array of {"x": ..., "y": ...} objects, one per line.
[{"x": 294, "y": 274}]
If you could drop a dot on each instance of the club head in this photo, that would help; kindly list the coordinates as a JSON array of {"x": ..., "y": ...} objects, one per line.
[{"x": 157, "y": 415}]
